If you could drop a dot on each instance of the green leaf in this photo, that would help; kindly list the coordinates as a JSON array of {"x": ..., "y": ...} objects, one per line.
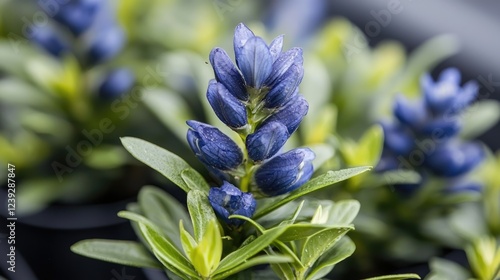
[
  {"x": 187, "y": 241},
  {"x": 194, "y": 181},
  {"x": 162, "y": 247},
  {"x": 164, "y": 211},
  {"x": 399, "y": 176},
  {"x": 206, "y": 256},
  {"x": 395, "y": 277},
  {"x": 320, "y": 242},
  {"x": 331, "y": 177},
  {"x": 243, "y": 254},
  {"x": 170, "y": 109},
  {"x": 479, "y": 117},
  {"x": 300, "y": 231},
  {"x": 340, "y": 251},
  {"x": 265, "y": 259},
  {"x": 16, "y": 92},
  {"x": 445, "y": 269},
  {"x": 343, "y": 212},
  {"x": 163, "y": 161},
  {"x": 201, "y": 213},
  {"x": 116, "y": 251}
]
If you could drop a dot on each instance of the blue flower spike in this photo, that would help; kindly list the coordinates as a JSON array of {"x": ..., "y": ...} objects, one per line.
[
  {"x": 213, "y": 147},
  {"x": 258, "y": 98},
  {"x": 229, "y": 200},
  {"x": 285, "y": 172}
]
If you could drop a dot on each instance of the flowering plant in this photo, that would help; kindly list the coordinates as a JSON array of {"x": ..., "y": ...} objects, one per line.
[{"x": 249, "y": 215}]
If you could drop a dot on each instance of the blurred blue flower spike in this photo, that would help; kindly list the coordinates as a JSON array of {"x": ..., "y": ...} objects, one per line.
[
  {"x": 116, "y": 83},
  {"x": 429, "y": 127},
  {"x": 229, "y": 200},
  {"x": 213, "y": 147},
  {"x": 285, "y": 172}
]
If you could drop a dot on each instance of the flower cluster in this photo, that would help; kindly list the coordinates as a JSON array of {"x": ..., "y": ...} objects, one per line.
[
  {"x": 88, "y": 30},
  {"x": 424, "y": 135},
  {"x": 258, "y": 99}
]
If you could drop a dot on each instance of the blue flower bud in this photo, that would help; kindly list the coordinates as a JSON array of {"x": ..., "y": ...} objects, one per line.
[
  {"x": 227, "y": 74},
  {"x": 284, "y": 87},
  {"x": 284, "y": 62},
  {"x": 107, "y": 43},
  {"x": 212, "y": 147},
  {"x": 116, "y": 83},
  {"x": 409, "y": 113},
  {"x": 285, "y": 172},
  {"x": 229, "y": 200},
  {"x": 453, "y": 158},
  {"x": 397, "y": 138},
  {"x": 291, "y": 114},
  {"x": 267, "y": 140},
  {"x": 255, "y": 62},
  {"x": 445, "y": 95},
  {"x": 78, "y": 16},
  {"x": 228, "y": 108},
  {"x": 49, "y": 40}
]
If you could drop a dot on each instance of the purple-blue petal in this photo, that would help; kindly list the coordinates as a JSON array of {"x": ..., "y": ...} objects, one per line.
[
  {"x": 284, "y": 173},
  {"x": 291, "y": 114},
  {"x": 283, "y": 88},
  {"x": 267, "y": 140},
  {"x": 227, "y": 74},
  {"x": 255, "y": 62},
  {"x": 213, "y": 147},
  {"x": 228, "y": 108}
]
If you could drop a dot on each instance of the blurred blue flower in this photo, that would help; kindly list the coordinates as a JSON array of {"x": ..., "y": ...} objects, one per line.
[
  {"x": 266, "y": 141},
  {"x": 77, "y": 15},
  {"x": 116, "y": 83},
  {"x": 229, "y": 200},
  {"x": 285, "y": 172},
  {"x": 445, "y": 95},
  {"x": 231, "y": 111},
  {"x": 47, "y": 38},
  {"x": 107, "y": 43},
  {"x": 213, "y": 147},
  {"x": 453, "y": 158}
]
